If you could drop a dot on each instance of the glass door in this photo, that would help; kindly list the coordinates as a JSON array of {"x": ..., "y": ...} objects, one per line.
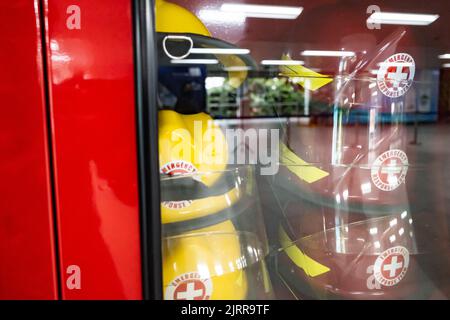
[{"x": 303, "y": 149}]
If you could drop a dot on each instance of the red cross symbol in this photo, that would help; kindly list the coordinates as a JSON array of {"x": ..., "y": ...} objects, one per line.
[
  {"x": 392, "y": 266},
  {"x": 190, "y": 290},
  {"x": 390, "y": 169},
  {"x": 396, "y": 74}
]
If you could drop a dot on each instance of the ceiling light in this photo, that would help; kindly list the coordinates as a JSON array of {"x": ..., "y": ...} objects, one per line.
[
  {"x": 282, "y": 62},
  {"x": 444, "y": 56},
  {"x": 262, "y": 11},
  {"x": 220, "y": 17},
  {"x": 219, "y": 51},
  {"x": 195, "y": 61},
  {"x": 414, "y": 19},
  {"x": 327, "y": 53},
  {"x": 446, "y": 65}
]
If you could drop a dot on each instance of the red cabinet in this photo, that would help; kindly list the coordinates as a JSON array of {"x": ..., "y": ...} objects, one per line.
[
  {"x": 27, "y": 240},
  {"x": 91, "y": 78}
]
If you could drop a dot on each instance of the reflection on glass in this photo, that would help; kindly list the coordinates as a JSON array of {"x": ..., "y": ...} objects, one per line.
[{"x": 358, "y": 208}]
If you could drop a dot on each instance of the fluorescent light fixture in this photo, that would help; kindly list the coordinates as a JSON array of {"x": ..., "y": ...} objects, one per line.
[
  {"x": 262, "y": 11},
  {"x": 446, "y": 65},
  {"x": 282, "y": 62},
  {"x": 214, "y": 82},
  {"x": 219, "y": 51},
  {"x": 327, "y": 53},
  {"x": 220, "y": 17},
  {"x": 238, "y": 68},
  {"x": 444, "y": 56},
  {"x": 195, "y": 61},
  {"x": 413, "y": 19}
]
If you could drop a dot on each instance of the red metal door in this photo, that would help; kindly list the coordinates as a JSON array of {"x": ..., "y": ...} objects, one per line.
[
  {"x": 27, "y": 247},
  {"x": 91, "y": 76}
]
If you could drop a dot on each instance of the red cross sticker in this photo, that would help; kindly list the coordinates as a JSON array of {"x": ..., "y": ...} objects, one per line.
[
  {"x": 392, "y": 266},
  {"x": 396, "y": 75},
  {"x": 190, "y": 290},
  {"x": 390, "y": 170}
]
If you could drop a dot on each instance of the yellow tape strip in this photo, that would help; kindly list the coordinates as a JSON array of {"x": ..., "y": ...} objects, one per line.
[
  {"x": 300, "y": 167},
  {"x": 312, "y": 268},
  {"x": 305, "y": 77}
]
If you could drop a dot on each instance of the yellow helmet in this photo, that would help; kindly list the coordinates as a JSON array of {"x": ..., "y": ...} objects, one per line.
[
  {"x": 205, "y": 265},
  {"x": 195, "y": 141},
  {"x": 174, "y": 19},
  {"x": 193, "y": 154}
]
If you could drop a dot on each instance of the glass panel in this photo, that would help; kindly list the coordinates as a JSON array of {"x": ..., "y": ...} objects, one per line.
[{"x": 304, "y": 149}]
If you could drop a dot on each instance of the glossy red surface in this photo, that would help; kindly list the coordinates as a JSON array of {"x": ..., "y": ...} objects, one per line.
[
  {"x": 93, "y": 111},
  {"x": 27, "y": 260}
]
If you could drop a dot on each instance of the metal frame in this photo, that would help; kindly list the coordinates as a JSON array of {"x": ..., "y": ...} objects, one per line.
[{"x": 147, "y": 142}]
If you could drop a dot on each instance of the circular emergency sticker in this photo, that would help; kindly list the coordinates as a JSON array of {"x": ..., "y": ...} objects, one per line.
[
  {"x": 177, "y": 167},
  {"x": 189, "y": 286},
  {"x": 396, "y": 75},
  {"x": 389, "y": 170},
  {"x": 174, "y": 168},
  {"x": 391, "y": 266}
]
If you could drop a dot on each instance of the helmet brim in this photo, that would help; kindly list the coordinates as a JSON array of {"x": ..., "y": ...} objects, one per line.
[{"x": 233, "y": 66}]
